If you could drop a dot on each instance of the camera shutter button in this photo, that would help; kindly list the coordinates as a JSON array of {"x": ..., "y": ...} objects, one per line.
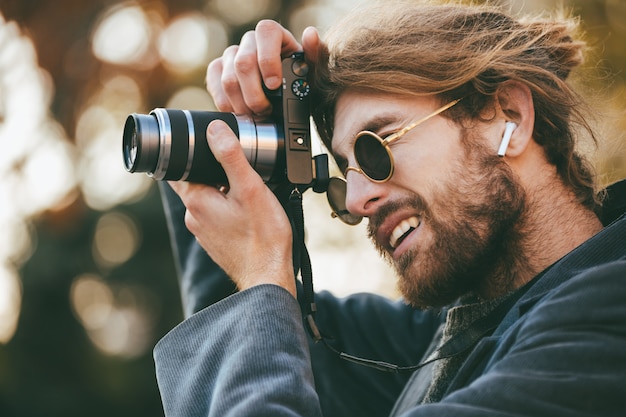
[{"x": 300, "y": 68}]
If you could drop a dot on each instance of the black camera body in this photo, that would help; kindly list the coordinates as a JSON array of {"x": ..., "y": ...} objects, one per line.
[{"x": 170, "y": 144}]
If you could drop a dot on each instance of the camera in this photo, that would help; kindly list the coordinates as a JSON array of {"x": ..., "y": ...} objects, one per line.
[{"x": 170, "y": 144}]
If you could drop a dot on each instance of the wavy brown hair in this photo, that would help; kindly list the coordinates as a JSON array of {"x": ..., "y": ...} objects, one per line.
[{"x": 451, "y": 51}]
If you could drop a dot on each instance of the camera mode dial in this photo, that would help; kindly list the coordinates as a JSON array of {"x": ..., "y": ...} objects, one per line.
[{"x": 300, "y": 88}]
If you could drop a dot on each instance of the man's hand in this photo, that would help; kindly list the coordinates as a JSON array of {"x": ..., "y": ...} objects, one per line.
[
  {"x": 243, "y": 226},
  {"x": 235, "y": 79}
]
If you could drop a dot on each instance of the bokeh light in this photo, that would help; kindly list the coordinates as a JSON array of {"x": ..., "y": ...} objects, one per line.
[
  {"x": 190, "y": 41},
  {"x": 119, "y": 320},
  {"x": 241, "y": 12},
  {"x": 36, "y": 159},
  {"x": 103, "y": 179},
  {"x": 320, "y": 14},
  {"x": 10, "y": 302},
  {"x": 191, "y": 98},
  {"x": 92, "y": 301},
  {"x": 102, "y": 176},
  {"x": 36, "y": 168},
  {"x": 116, "y": 240},
  {"x": 47, "y": 175},
  {"x": 16, "y": 239},
  {"x": 123, "y": 36}
]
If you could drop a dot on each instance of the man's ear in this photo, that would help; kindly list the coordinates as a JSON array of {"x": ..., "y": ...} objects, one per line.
[{"x": 516, "y": 104}]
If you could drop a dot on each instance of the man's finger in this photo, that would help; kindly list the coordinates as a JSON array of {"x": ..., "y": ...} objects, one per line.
[
  {"x": 312, "y": 45},
  {"x": 273, "y": 42},
  {"x": 227, "y": 151},
  {"x": 230, "y": 80},
  {"x": 247, "y": 69},
  {"x": 214, "y": 85}
]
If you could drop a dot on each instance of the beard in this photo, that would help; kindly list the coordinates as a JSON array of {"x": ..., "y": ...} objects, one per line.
[{"x": 475, "y": 223}]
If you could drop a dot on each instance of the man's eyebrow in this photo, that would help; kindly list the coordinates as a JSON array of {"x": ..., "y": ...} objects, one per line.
[
  {"x": 373, "y": 125},
  {"x": 379, "y": 122}
]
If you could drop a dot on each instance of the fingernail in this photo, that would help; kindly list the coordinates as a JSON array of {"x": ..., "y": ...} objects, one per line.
[
  {"x": 272, "y": 83},
  {"x": 216, "y": 127}
]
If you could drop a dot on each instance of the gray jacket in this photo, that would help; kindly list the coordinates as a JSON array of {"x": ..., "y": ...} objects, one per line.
[{"x": 560, "y": 350}]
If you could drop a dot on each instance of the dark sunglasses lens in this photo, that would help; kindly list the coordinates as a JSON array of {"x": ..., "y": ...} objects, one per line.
[
  {"x": 336, "y": 195},
  {"x": 372, "y": 157}
]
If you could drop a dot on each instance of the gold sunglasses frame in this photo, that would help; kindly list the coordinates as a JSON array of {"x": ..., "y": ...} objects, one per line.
[
  {"x": 390, "y": 139},
  {"x": 339, "y": 184}
]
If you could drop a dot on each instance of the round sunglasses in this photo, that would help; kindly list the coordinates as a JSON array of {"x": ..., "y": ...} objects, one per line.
[{"x": 374, "y": 160}]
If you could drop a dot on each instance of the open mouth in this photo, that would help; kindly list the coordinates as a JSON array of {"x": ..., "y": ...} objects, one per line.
[{"x": 402, "y": 230}]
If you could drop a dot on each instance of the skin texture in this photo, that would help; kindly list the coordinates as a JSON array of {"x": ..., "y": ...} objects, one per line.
[{"x": 495, "y": 221}]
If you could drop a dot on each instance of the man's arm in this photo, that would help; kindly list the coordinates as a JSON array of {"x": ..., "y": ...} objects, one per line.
[
  {"x": 244, "y": 356},
  {"x": 202, "y": 282}
]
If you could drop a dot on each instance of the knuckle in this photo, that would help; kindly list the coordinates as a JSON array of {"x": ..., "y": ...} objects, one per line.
[
  {"x": 257, "y": 104},
  {"x": 213, "y": 78},
  {"x": 252, "y": 188},
  {"x": 214, "y": 68},
  {"x": 230, "y": 83},
  {"x": 193, "y": 199},
  {"x": 229, "y": 151},
  {"x": 245, "y": 63},
  {"x": 190, "y": 222},
  {"x": 221, "y": 103},
  {"x": 265, "y": 61}
]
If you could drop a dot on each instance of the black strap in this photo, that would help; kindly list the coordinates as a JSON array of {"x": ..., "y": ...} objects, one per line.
[{"x": 302, "y": 262}]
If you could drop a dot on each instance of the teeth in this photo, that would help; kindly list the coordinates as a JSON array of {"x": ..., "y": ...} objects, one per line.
[{"x": 402, "y": 229}]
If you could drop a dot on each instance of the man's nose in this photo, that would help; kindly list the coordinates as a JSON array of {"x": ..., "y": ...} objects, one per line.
[{"x": 363, "y": 197}]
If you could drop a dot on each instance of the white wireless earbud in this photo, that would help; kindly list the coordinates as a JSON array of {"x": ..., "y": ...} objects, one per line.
[{"x": 509, "y": 127}]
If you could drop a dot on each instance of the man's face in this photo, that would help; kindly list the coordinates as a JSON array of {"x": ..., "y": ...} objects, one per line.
[{"x": 448, "y": 218}]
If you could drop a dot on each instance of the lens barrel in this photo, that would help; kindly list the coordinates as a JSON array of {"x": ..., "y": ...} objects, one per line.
[{"x": 170, "y": 144}]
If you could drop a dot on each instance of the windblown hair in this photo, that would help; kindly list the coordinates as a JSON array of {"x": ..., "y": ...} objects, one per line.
[{"x": 453, "y": 51}]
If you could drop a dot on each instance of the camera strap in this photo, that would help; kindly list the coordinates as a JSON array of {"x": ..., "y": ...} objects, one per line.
[{"x": 302, "y": 262}]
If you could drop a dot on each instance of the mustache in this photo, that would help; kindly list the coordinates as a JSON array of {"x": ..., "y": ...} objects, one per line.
[{"x": 415, "y": 202}]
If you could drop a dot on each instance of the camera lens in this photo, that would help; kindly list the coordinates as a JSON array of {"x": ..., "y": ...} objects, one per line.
[
  {"x": 140, "y": 143},
  {"x": 170, "y": 144}
]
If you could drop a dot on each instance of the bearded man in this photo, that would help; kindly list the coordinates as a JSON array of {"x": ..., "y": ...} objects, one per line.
[{"x": 456, "y": 131}]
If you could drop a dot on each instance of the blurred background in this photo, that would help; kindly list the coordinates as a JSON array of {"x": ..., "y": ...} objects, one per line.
[{"x": 87, "y": 282}]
